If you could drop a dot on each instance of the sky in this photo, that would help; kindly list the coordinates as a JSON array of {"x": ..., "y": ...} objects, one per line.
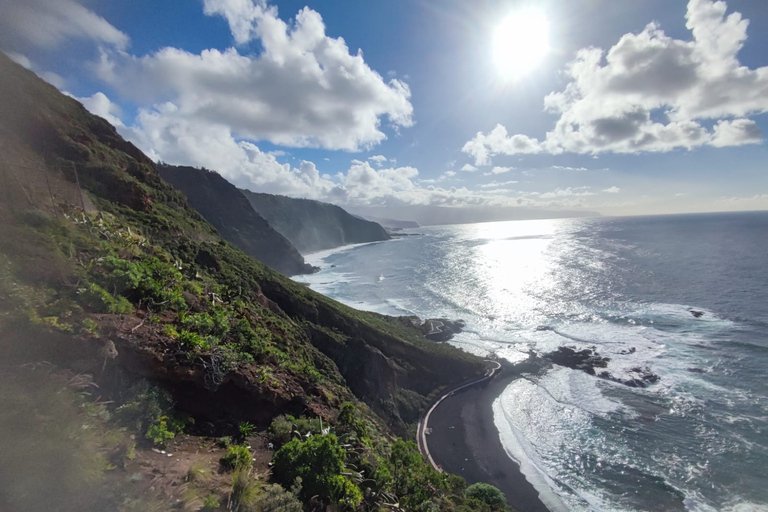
[{"x": 614, "y": 106}]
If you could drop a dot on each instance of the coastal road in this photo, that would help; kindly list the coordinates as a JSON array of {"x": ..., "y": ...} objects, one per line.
[{"x": 423, "y": 425}]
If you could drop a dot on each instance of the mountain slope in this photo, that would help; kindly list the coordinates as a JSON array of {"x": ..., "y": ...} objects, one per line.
[
  {"x": 314, "y": 226},
  {"x": 224, "y": 206},
  {"x": 143, "y": 270},
  {"x": 105, "y": 270}
]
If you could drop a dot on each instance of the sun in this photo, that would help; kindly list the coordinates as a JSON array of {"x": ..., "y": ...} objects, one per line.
[{"x": 520, "y": 42}]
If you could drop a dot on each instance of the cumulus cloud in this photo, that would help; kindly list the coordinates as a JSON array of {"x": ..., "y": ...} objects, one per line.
[
  {"x": 483, "y": 146},
  {"x": 47, "y": 23},
  {"x": 650, "y": 93},
  {"x": 24, "y": 61},
  {"x": 612, "y": 190},
  {"x": 304, "y": 88},
  {"x": 100, "y": 105},
  {"x": 468, "y": 168},
  {"x": 378, "y": 160}
]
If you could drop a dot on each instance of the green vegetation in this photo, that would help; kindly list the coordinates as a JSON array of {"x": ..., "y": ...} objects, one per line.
[
  {"x": 139, "y": 286},
  {"x": 320, "y": 463},
  {"x": 238, "y": 458},
  {"x": 488, "y": 494}
]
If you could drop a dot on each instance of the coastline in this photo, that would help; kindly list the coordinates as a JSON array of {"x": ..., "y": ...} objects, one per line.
[{"x": 465, "y": 441}]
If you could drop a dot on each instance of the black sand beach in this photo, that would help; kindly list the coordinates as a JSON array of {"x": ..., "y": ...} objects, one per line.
[{"x": 464, "y": 441}]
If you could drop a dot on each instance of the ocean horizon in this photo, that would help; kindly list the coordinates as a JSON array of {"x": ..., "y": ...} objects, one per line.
[{"x": 677, "y": 297}]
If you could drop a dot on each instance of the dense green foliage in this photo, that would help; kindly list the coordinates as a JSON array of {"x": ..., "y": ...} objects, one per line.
[
  {"x": 319, "y": 461},
  {"x": 488, "y": 494}
]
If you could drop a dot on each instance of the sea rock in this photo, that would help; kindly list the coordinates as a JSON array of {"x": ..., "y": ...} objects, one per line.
[
  {"x": 441, "y": 329},
  {"x": 587, "y": 360},
  {"x": 696, "y": 314}
]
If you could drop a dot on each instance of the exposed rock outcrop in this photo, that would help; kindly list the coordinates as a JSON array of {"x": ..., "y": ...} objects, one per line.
[{"x": 588, "y": 360}]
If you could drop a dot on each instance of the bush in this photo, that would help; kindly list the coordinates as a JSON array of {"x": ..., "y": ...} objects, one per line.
[
  {"x": 238, "y": 457},
  {"x": 276, "y": 499},
  {"x": 319, "y": 462},
  {"x": 159, "y": 433},
  {"x": 488, "y": 494},
  {"x": 280, "y": 430},
  {"x": 211, "y": 503},
  {"x": 99, "y": 300},
  {"x": 349, "y": 420},
  {"x": 246, "y": 429},
  {"x": 150, "y": 280},
  {"x": 193, "y": 341}
]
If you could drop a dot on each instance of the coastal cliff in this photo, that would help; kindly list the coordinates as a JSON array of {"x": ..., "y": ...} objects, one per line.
[
  {"x": 224, "y": 206},
  {"x": 123, "y": 307},
  {"x": 312, "y": 225}
]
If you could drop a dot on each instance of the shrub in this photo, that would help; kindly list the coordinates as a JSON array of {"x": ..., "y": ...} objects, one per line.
[
  {"x": 319, "y": 462},
  {"x": 211, "y": 503},
  {"x": 238, "y": 457},
  {"x": 159, "y": 433},
  {"x": 276, "y": 499},
  {"x": 488, "y": 494},
  {"x": 193, "y": 341},
  {"x": 149, "y": 280},
  {"x": 99, "y": 300},
  {"x": 246, "y": 429},
  {"x": 349, "y": 420},
  {"x": 280, "y": 430}
]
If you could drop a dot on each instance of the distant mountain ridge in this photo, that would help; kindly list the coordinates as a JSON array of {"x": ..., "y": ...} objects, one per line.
[
  {"x": 392, "y": 224},
  {"x": 228, "y": 210},
  {"x": 312, "y": 225}
]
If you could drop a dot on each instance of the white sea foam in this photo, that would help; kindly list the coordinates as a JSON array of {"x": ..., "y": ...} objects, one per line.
[{"x": 520, "y": 450}]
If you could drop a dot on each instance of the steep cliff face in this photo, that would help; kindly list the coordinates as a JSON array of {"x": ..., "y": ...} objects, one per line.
[
  {"x": 312, "y": 225},
  {"x": 100, "y": 250},
  {"x": 224, "y": 206}
]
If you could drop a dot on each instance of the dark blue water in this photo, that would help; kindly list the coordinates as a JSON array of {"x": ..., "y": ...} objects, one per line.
[{"x": 625, "y": 287}]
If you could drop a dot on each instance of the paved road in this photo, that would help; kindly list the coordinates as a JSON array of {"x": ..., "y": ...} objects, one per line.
[{"x": 423, "y": 426}]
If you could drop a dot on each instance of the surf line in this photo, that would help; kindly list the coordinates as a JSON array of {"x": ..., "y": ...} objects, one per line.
[{"x": 422, "y": 429}]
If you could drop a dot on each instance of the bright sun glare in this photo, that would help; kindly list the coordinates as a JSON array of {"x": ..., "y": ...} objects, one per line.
[{"x": 520, "y": 42}]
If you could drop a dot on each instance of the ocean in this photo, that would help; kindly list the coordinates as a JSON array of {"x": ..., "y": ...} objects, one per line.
[{"x": 696, "y": 440}]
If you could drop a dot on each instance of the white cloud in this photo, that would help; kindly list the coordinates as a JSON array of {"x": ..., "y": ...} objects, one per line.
[
  {"x": 499, "y": 170},
  {"x": 483, "y": 146},
  {"x": 612, "y": 190},
  {"x": 567, "y": 168},
  {"x": 567, "y": 192},
  {"x": 468, "y": 168},
  {"x": 23, "y": 61},
  {"x": 378, "y": 160},
  {"x": 498, "y": 184},
  {"x": 756, "y": 202},
  {"x": 304, "y": 89},
  {"x": 100, "y": 105},
  {"x": 47, "y": 23},
  {"x": 650, "y": 92},
  {"x": 449, "y": 174}
]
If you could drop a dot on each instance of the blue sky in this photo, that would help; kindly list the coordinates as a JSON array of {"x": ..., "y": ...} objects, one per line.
[{"x": 404, "y": 102}]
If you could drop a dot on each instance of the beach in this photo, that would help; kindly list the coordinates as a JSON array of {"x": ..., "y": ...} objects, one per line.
[{"x": 464, "y": 441}]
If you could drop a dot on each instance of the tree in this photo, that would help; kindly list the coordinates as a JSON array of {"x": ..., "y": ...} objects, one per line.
[{"x": 487, "y": 494}]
